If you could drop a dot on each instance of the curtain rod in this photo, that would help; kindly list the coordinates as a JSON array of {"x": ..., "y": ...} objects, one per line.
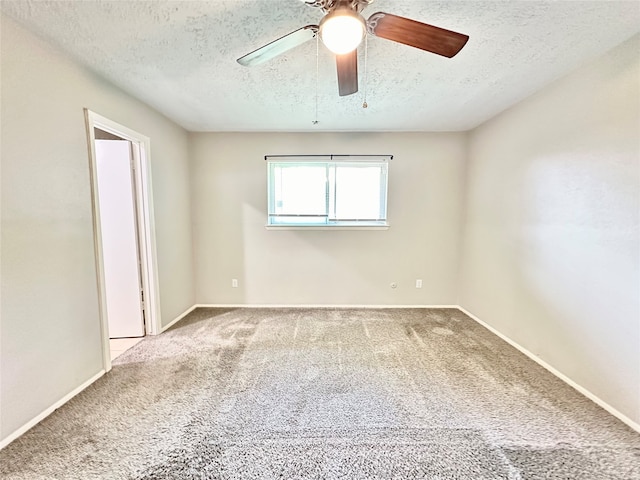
[{"x": 331, "y": 155}]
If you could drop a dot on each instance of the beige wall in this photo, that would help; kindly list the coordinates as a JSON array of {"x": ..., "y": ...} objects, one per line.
[
  {"x": 551, "y": 242},
  {"x": 50, "y": 335},
  {"x": 228, "y": 175}
]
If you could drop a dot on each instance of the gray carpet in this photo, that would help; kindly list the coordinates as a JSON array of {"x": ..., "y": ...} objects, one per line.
[{"x": 326, "y": 394}]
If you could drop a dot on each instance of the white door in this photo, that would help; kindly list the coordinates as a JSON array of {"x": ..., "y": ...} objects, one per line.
[{"x": 119, "y": 238}]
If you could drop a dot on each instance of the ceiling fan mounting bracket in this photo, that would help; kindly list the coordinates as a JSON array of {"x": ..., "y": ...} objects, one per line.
[{"x": 372, "y": 22}]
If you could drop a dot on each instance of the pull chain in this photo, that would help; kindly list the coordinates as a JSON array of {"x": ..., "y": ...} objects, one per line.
[
  {"x": 366, "y": 44},
  {"x": 315, "y": 122}
]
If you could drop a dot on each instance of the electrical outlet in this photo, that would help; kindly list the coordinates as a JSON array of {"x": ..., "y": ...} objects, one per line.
[
  {"x": 419, "y": 283},
  {"x": 234, "y": 283}
]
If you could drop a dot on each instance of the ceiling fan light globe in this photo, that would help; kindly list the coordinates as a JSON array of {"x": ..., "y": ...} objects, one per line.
[{"x": 342, "y": 31}]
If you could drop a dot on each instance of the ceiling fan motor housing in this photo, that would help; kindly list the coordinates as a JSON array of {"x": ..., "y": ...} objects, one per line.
[{"x": 329, "y": 5}]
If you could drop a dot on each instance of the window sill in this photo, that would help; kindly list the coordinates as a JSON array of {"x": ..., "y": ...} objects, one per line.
[{"x": 326, "y": 227}]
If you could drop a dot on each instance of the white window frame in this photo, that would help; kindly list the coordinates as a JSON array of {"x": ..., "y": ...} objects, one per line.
[{"x": 330, "y": 162}]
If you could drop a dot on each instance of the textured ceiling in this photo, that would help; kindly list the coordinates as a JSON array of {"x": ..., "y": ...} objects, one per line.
[{"x": 180, "y": 58}]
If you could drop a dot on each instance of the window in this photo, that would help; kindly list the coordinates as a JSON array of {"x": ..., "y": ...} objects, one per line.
[{"x": 327, "y": 193}]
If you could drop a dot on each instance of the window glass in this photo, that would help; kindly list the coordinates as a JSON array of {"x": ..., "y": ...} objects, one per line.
[
  {"x": 357, "y": 193},
  {"x": 327, "y": 193}
]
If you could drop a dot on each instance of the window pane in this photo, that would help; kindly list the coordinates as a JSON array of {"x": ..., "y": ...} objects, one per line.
[
  {"x": 327, "y": 193},
  {"x": 358, "y": 193},
  {"x": 300, "y": 190}
]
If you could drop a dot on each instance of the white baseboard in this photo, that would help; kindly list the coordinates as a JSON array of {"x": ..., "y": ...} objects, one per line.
[
  {"x": 178, "y": 318},
  {"x": 38, "y": 418},
  {"x": 239, "y": 305},
  {"x": 557, "y": 373}
]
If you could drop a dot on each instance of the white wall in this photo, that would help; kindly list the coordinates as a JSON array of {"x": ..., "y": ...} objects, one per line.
[
  {"x": 551, "y": 249},
  {"x": 229, "y": 183},
  {"x": 50, "y": 335}
]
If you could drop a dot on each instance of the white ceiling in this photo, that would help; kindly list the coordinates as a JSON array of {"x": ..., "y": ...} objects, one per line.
[{"x": 180, "y": 58}]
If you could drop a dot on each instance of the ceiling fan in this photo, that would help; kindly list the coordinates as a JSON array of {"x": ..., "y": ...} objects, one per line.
[{"x": 342, "y": 29}]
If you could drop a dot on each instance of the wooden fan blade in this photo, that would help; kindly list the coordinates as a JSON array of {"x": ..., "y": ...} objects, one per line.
[
  {"x": 347, "y": 73},
  {"x": 279, "y": 46},
  {"x": 416, "y": 34}
]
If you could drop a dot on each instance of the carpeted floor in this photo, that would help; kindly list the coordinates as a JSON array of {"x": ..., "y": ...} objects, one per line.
[{"x": 326, "y": 394}]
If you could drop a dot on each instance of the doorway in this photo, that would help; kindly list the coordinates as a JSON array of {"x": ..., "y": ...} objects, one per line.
[
  {"x": 123, "y": 234},
  {"x": 120, "y": 243}
]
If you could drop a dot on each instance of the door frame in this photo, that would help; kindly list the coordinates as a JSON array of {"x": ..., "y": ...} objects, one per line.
[{"x": 141, "y": 147}]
